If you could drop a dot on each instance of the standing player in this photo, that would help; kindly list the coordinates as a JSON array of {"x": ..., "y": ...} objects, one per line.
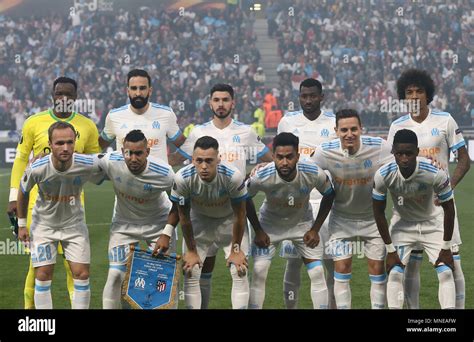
[
  {"x": 313, "y": 127},
  {"x": 352, "y": 161},
  {"x": 35, "y": 139},
  {"x": 58, "y": 215},
  {"x": 211, "y": 203},
  {"x": 413, "y": 183},
  {"x": 238, "y": 143},
  {"x": 141, "y": 210},
  {"x": 438, "y": 135},
  {"x": 157, "y": 122},
  {"x": 287, "y": 214}
]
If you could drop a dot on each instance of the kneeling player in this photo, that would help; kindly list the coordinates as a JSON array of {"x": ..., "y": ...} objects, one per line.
[
  {"x": 211, "y": 203},
  {"x": 413, "y": 183},
  {"x": 287, "y": 214},
  {"x": 141, "y": 207},
  {"x": 58, "y": 215}
]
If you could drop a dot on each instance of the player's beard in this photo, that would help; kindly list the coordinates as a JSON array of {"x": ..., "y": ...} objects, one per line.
[
  {"x": 222, "y": 116},
  {"x": 286, "y": 172},
  {"x": 138, "y": 102}
]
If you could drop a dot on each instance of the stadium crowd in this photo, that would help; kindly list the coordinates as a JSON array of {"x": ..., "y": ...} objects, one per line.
[{"x": 356, "y": 49}]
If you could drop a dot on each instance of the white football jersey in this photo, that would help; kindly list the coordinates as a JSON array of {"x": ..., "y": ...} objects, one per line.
[
  {"x": 238, "y": 143},
  {"x": 212, "y": 199},
  {"x": 312, "y": 133},
  {"x": 59, "y": 193},
  {"x": 287, "y": 203},
  {"x": 353, "y": 175},
  {"x": 437, "y": 135},
  {"x": 140, "y": 199},
  {"x": 413, "y": 197},
  {"x": 157, "y": 123}
]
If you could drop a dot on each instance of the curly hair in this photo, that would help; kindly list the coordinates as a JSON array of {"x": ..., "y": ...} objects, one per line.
[{"x": 416, "y": 77}]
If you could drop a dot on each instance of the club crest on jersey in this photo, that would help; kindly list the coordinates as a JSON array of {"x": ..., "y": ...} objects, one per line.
[
  {"x": 367, "y": 164},
  {"x": 325, "y": 132},
  {"x": 147, "y": 187},
  {"x": 435, "y": 132},
  {"x": 155, "y": 125},
  {"x": 77, "y": 181},
  {"x": 236, "y": 139}
]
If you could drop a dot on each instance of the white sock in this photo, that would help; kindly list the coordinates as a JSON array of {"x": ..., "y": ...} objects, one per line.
[
  {"x": 257, "y": 285},
  {"x": 378, "y": 290},
  {"x": 82, "y": 294},
  {"x": 412, "y": 281},
  {"x": 206, "y": 285},
  {"x": 240, "y": 290},
  {"x": 459, "y": 282},
  {"x": 395, "y": 292},
  {"x": 329, "y": 266},
  {"x": 291, "y": 282},
  {"x": 112, "y": 295},
  {"x": 319, "y": 290},
  {"x": 42, "y": 295},
  {"x": 342, "y": 290},
  {"x": 192, "y": 290},
  {"x": 447, "y": 289}
]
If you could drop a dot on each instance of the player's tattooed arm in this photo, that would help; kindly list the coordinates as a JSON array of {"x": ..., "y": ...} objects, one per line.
[
  {"x": 262, "y": 239},
  {"x": 462, "y": 167}
]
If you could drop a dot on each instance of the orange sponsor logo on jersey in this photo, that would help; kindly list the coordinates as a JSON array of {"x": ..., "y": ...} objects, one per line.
[
  {"x": 152, "y": 142},
  {"x": 429, "y": 151},
  {"x": 353, "y": 181},
  {"x": 306, "y": 151},
  {"x": 231, "y": 156},
  {"x": 132, "y": 198}
]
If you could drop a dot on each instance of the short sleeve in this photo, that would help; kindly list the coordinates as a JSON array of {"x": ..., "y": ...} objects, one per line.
[
  {"x": 454, "y": 135},
  {"x": 27, "y": 181},
  {"x": 173, "y": 131},
  {"x": 237, "y": 188},
  {"x": 108, "y": 133},
  {"x": 180, "y": 190},
  {"x": 379, "y": 191},
  {"x": 442, "y": 186}
]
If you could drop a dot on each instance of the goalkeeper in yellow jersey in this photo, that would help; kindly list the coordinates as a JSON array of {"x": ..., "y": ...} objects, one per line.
[{"x": 35, "y": 138}]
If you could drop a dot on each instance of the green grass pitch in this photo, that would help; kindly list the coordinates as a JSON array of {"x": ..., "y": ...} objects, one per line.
[{"x": 99, "y": 203}]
